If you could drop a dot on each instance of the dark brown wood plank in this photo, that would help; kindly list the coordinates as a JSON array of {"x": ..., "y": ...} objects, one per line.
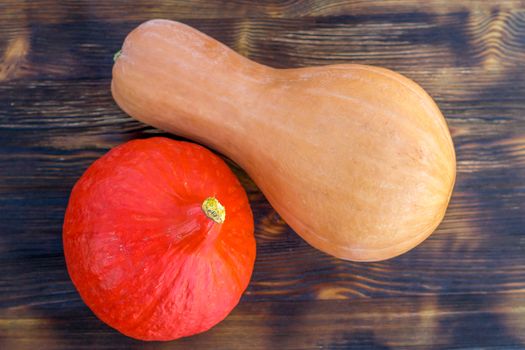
[
  {"x": 423, "y": 44},
  {"x": 452, "y": 322},
  {"x": 61, "y": 11},
  {"x": 462, "y": 288}
]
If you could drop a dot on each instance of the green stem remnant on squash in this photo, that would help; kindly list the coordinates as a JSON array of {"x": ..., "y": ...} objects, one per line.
[
  {"x": 214, "y": 209},
  {"x": 116, "y": 55}
]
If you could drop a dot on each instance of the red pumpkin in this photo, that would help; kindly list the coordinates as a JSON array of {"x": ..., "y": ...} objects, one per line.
[{"x": 147, "y": 243}]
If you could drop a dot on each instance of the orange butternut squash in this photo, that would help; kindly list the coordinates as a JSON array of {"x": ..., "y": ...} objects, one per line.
[{"x": 358, "y": 160}]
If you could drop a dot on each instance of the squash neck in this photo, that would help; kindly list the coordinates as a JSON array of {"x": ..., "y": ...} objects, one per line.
[{"x": 210, "y": 89}]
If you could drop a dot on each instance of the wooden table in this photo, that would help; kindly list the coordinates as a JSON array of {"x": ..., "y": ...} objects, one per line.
[{"x": 462, "y": 288}]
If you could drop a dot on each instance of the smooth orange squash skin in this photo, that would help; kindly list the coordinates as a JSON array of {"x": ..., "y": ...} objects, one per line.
[{"x": 358, "y": 160}]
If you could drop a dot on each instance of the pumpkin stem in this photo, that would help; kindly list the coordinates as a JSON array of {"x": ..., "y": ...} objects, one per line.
[
  {"x": 116, "y": 55},
  {"x": 214, "y": 209}
]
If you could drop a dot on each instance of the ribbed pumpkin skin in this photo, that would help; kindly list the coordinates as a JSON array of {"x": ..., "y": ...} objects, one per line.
[
  {"x": 140, "y": 250},
  {"x": 358, "y": 160}
]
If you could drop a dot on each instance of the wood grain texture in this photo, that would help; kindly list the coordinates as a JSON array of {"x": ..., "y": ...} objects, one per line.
[
  {"x": 462, "y": 288},
  {"x": 331, "y": 324}
]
